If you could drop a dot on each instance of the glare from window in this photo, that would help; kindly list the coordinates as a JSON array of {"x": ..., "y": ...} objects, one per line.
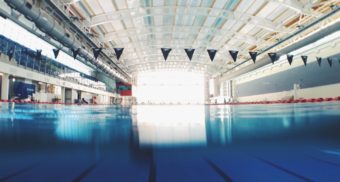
[
  {"x": 18, "y": 34},
  {"x": 169, "y": 87}
]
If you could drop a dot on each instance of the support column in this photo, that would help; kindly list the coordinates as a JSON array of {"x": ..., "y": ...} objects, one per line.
[
  {"x": 62, "y": 94},
  {"x": 216, "y": 87},
  {"x": 5, "y": 87},
  {"x": 206, "y": 89}
]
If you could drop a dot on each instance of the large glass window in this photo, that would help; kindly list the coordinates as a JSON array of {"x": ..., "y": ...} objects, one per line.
[
  {"x": 169, "y": 87},
  {"x": 18, "y": 34}
]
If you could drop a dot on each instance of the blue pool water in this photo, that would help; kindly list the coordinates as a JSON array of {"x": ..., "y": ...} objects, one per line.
[{"x": 283, "y": 142}]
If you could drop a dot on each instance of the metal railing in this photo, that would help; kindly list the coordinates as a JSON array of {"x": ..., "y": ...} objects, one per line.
[{"x": 29, "y": 59}]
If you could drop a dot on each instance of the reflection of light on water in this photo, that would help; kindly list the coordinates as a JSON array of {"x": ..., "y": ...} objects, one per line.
[
  {"x": 170, "y": 125},
  {"x": 286, "y": 122},
  {"x": 220, "y": 125},
  {"x": 88, "y": 125},
  {"x": 77, "y": 125},
  {"x": 337, "y": 153},
  {"x": 226, "y": 132},
  {"x": 74, "y": 130}
]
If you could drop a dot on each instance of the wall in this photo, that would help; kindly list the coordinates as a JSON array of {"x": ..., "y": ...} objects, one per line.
[
  {"x": 87, "y": 96},
  {"x": 74, "y": 95},
  {"x": 109, "y": 82},
  {"x": 314, "y": 92},
  {"x": 305, "y": 76},
  {"x": 277, "y": 81}
]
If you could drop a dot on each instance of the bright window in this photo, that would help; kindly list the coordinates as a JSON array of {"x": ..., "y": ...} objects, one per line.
[
  {"x": 18, "y": 34},
  {"x": 169, "y": 87}
]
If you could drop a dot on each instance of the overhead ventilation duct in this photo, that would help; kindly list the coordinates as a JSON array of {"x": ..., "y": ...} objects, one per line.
[{"x": 50, "y": 26}]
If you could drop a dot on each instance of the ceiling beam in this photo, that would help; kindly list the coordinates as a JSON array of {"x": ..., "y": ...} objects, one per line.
[
  {"x": 141, "y": 13},
  {"x": 181, "y": 31},
  {"x": 297, "y": 6}
]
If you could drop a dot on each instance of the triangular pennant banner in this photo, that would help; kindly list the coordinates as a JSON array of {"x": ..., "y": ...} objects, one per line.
[
  {"x": 75, "y": 53},
  {"x": 273, "y": 56},
  {"x": 165, "y": 52},
  {"x": 253, "y": 56},
  {"x": 56, "y": 53},
  {"x": 96, "y": 52},
  {"x": 190, "y": 53},
  {"x": 10, "y": 53},
  {"x": 212, "y": 53},
  {"x": 304, "y": 59},
  {"x": 119, "y": 52},
  {"x": 38, "y": 54},
  {"x": 329, "y": 61},
  {"x": 318, "y": 59},
  {"x": 290, "y": 59},
  {"x": 233, "y": 54}
]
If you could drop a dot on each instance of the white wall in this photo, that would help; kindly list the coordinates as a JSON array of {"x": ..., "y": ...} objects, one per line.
[
  {"x": 308, "y": 93},
  {"x": 45, "y": 97}
]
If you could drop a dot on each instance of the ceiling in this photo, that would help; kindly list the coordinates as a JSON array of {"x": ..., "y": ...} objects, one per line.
[{"x": 143, "y": 27}]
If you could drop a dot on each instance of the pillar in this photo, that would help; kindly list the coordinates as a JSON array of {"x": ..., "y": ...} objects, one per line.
[
  {"x": 217, "y": 85},
  {"x": 5, "y": 87},
  {"x": 62, "y": 94},
  {"x": 206, "y": 89}
]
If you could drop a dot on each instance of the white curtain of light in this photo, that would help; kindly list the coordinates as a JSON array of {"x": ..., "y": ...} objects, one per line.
[
  {"x": 169, "y": 87},
  {"x": 170, "y": 125}
]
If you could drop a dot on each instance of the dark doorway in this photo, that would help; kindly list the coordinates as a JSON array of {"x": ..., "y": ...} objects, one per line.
[
  {"x": 79, "y": 95},
  {"x": 68, "y": 96}
]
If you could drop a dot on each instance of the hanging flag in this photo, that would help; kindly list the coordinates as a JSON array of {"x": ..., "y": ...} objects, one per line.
[
  {"x": 273, "y": 56},
  {"x": 56, "y": 53},
  {"x": 165, "y": 52},
  {"x": 233, "y": 54},
  {"x": 119, "y": 52},
  {"x": 304, "y": 59},
  {"x": 38, "y": 54},
  {"x": 10, "y": 53},
  {"x": 318, "y": 59},
  {"x": 330, "y": 61},
  {"x": 75, "y": 52},
  {"x": 290, "y": 59},
  {"x": 212, "y": 53},
  {"x": 190, "y": 53},
  {"x": 96, "y": 52},
  {"x": 253, "y": 56}
]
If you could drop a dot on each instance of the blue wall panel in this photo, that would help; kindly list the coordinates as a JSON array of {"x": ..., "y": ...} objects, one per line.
[{"x": 310, "y": 76}]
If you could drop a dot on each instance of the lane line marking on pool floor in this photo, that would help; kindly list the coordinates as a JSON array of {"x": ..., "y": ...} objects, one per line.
[
  {"x": 85, "y": 173},
  {"x": 219, "y": 171},
  {"x": 284, "y": 169},
  {"x": 19, "y": 172}
]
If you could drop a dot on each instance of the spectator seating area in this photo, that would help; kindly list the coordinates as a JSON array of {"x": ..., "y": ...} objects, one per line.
[{"x": 29, "y": 59}]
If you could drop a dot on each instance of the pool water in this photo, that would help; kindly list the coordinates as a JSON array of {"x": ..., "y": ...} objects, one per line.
[{"x": 278, "y": 142}]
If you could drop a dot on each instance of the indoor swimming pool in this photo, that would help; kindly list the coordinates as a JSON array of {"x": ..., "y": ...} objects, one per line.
[{"x": 276, "y": 142}]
